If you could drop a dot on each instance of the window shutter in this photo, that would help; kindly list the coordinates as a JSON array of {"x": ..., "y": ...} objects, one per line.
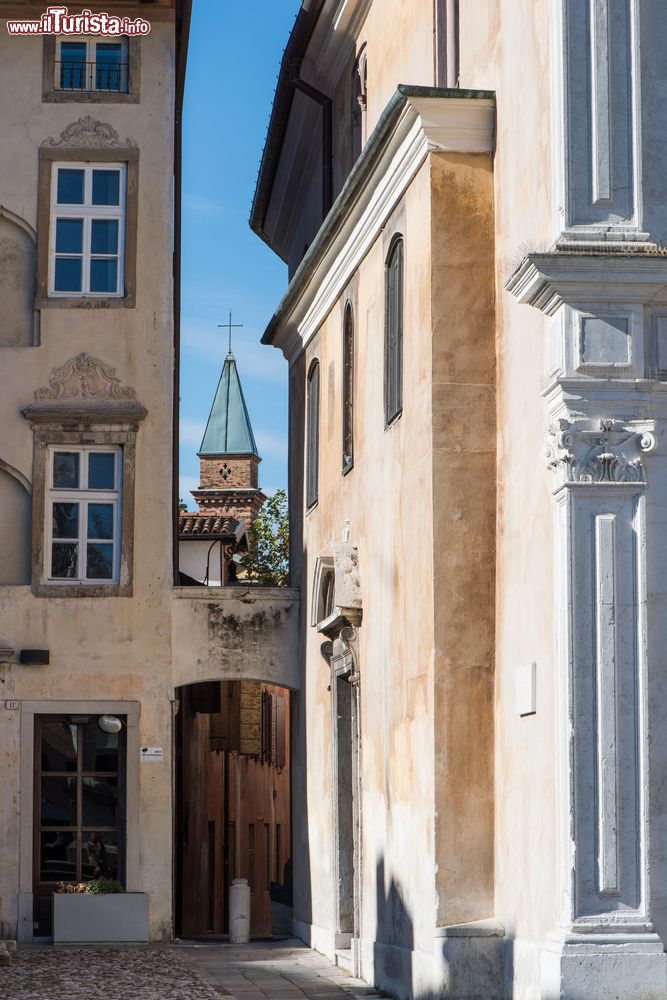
[
  {"x": 280, "y": 732},
  {"x": 250, "y": 741},
  {"x": 274, "y": 715},
  {"x": 224, "y": 725}
]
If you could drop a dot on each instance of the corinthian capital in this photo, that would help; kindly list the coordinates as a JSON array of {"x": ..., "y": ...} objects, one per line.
[{"x": 598, "y": 451}]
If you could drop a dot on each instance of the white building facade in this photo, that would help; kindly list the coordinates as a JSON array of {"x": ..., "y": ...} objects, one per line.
[{"x": 505, "y": 825}]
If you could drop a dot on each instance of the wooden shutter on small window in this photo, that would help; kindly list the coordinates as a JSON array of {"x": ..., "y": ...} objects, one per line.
[
  {"x": 250, "y": 742},
  {"x": 274, "y": 714},
  {"x": 280, "y": 731},
  {"x": 224, "y": 726}
]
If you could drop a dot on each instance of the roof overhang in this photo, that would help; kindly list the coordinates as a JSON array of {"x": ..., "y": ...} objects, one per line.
[
  {"x": 322, "y": 40},
  {"x": 416, "y": 122}
]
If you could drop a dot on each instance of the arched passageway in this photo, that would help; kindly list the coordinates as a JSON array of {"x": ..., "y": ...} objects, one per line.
[{"x": 233, "y": 805}]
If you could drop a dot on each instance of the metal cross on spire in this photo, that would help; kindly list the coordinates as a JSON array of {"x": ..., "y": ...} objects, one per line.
[{"x": 230, "y": 326}]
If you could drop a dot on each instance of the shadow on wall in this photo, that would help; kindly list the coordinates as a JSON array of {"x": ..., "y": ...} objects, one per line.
[
  {"x": 394, "y": 938},
  {"x": 473, "y": 968},
  {"x": 15, "y": 518}
]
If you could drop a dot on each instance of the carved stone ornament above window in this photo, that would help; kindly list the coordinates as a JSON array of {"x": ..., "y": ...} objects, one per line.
[
  {"x": 605, "y": 451},
  {"x": 88, "y": 133},
  {"x": 85, "y": 387}
]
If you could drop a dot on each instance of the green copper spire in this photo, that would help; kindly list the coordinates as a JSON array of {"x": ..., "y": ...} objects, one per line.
[{"x": 228, "y": 431}]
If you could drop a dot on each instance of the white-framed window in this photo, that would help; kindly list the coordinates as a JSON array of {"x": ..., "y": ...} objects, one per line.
[
  {"x": 89, "y": 64},
  {"x": 83, "y": 514},
  {"x": 87, "y": 231}
]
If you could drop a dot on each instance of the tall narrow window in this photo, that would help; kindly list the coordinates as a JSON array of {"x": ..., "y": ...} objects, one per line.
[
  {"x": 87, "y": 229},
  {"x": 91, "y": 65},
  {"x": 83, "y": 514},
  {"x": 312, "y": 433},
  {"x": 348, "y": 389},
  {"x": 393, "y": 372}
]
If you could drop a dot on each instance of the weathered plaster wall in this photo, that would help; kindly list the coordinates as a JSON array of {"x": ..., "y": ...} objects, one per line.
[
  {"x": 399, "y": 37},
  {"x": 464, "y": 473},
  {"x": 244, "y": 633},
  {"x": 387, "y": 499}
]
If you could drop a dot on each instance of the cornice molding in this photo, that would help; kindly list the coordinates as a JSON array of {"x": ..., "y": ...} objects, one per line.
[
  {"x": 417, "y": 121},
  {"x": 603, "y": 452},
  {"x": 547, "y": 280}
]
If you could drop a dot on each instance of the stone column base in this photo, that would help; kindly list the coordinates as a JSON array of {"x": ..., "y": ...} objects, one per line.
[
  {"x": 469, "y": 960},
  {"x": 609, "y": 966}
]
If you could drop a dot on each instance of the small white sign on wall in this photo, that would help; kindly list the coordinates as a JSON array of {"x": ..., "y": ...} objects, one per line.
[
  {"x": 525, "y": 689},
  {"x": 151, "y": 755},
  {"x": 11, "y": 705}
]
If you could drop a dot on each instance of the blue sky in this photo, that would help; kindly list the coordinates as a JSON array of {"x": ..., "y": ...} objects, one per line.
[{"x": 232, "y": 71}]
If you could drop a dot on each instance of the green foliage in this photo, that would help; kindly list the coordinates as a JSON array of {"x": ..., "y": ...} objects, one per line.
[
  {"x": 267, "y": 562},
  {"x": 103, "y": 886}
]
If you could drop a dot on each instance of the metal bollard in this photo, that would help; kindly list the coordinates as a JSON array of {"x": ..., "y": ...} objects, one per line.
[{"x": 239, "y": 911}]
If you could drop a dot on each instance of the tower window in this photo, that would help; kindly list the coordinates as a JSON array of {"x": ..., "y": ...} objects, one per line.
[
  {"x": 359, "y": 104},
  {"x": 312, "y": 433},
  {"x": 348, "y": 389},
  {"x": 393, "y": 380}
]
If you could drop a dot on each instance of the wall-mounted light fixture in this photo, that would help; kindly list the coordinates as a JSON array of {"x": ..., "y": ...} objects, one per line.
[{"x": 34, "y": 657}]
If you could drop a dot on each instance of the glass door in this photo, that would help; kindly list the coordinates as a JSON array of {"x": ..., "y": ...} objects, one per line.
[{"x": 79, "y": 818}]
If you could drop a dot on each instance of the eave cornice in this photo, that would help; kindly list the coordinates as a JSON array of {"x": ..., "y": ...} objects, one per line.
[
  {"x": 417, "y": 121},
  {"x": 547, "y": 280}
]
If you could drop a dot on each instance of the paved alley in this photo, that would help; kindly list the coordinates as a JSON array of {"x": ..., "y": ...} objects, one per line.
[{"x": 186, "y": 971}]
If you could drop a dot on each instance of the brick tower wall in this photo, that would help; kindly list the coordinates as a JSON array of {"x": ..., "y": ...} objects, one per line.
[{"x": 226, "y": 473}]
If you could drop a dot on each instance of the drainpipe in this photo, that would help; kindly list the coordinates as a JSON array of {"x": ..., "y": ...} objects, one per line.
[
  {"x": 452, "y": 29},
  {"x": 327, "y": 139}
]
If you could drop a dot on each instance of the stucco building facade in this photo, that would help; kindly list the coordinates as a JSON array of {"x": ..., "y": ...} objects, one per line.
[
  {"x": 471, "y": 204},
  {"x": 93, "y": 620}
]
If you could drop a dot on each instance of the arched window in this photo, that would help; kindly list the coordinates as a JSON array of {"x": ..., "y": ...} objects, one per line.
[
  {"x": 312, "y": 432},
  {"x": 348, "y": 389},
  {"x": 393, "y": 369},
  {"x": 359, "y": 101}
]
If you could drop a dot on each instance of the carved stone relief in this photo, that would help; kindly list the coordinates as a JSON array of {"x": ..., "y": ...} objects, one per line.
[
  {"x": 84, "y": 377},
  {"x": 604, "y": 451},
  {"x": 89, "y": 133}
]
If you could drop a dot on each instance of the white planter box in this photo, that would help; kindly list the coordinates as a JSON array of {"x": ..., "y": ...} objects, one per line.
[{"x": 80, "y": 918}]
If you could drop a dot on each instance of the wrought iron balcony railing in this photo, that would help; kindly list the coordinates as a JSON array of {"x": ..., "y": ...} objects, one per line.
[{"x": 93, "y": 76}]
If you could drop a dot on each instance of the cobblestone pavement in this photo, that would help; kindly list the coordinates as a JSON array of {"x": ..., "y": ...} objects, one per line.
[
  {"x": 94, "y": 973},
  {"x": 185, "y": 971}
]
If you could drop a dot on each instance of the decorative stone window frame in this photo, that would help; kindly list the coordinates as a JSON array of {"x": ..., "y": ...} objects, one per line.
[
  {"x": 87, "y": 141},
  {"x": 51, "y": 94},
  {"x": 323, "y": 581},
  {"x": 84, "y": 404},
  {"x": 29, "y": 710}
]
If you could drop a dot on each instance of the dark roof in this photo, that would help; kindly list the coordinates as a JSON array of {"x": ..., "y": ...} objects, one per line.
[
  {"x": 229, "y": 431},
  {"x": 194, "y": 525},
  {"x": 290, "y": 66}
]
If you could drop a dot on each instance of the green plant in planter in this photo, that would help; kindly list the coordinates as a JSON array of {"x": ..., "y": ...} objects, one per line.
[{"x": 102, "y": 886}]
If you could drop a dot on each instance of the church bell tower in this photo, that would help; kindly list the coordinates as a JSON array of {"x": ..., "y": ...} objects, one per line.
[{"x": 228, "y": 456}]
